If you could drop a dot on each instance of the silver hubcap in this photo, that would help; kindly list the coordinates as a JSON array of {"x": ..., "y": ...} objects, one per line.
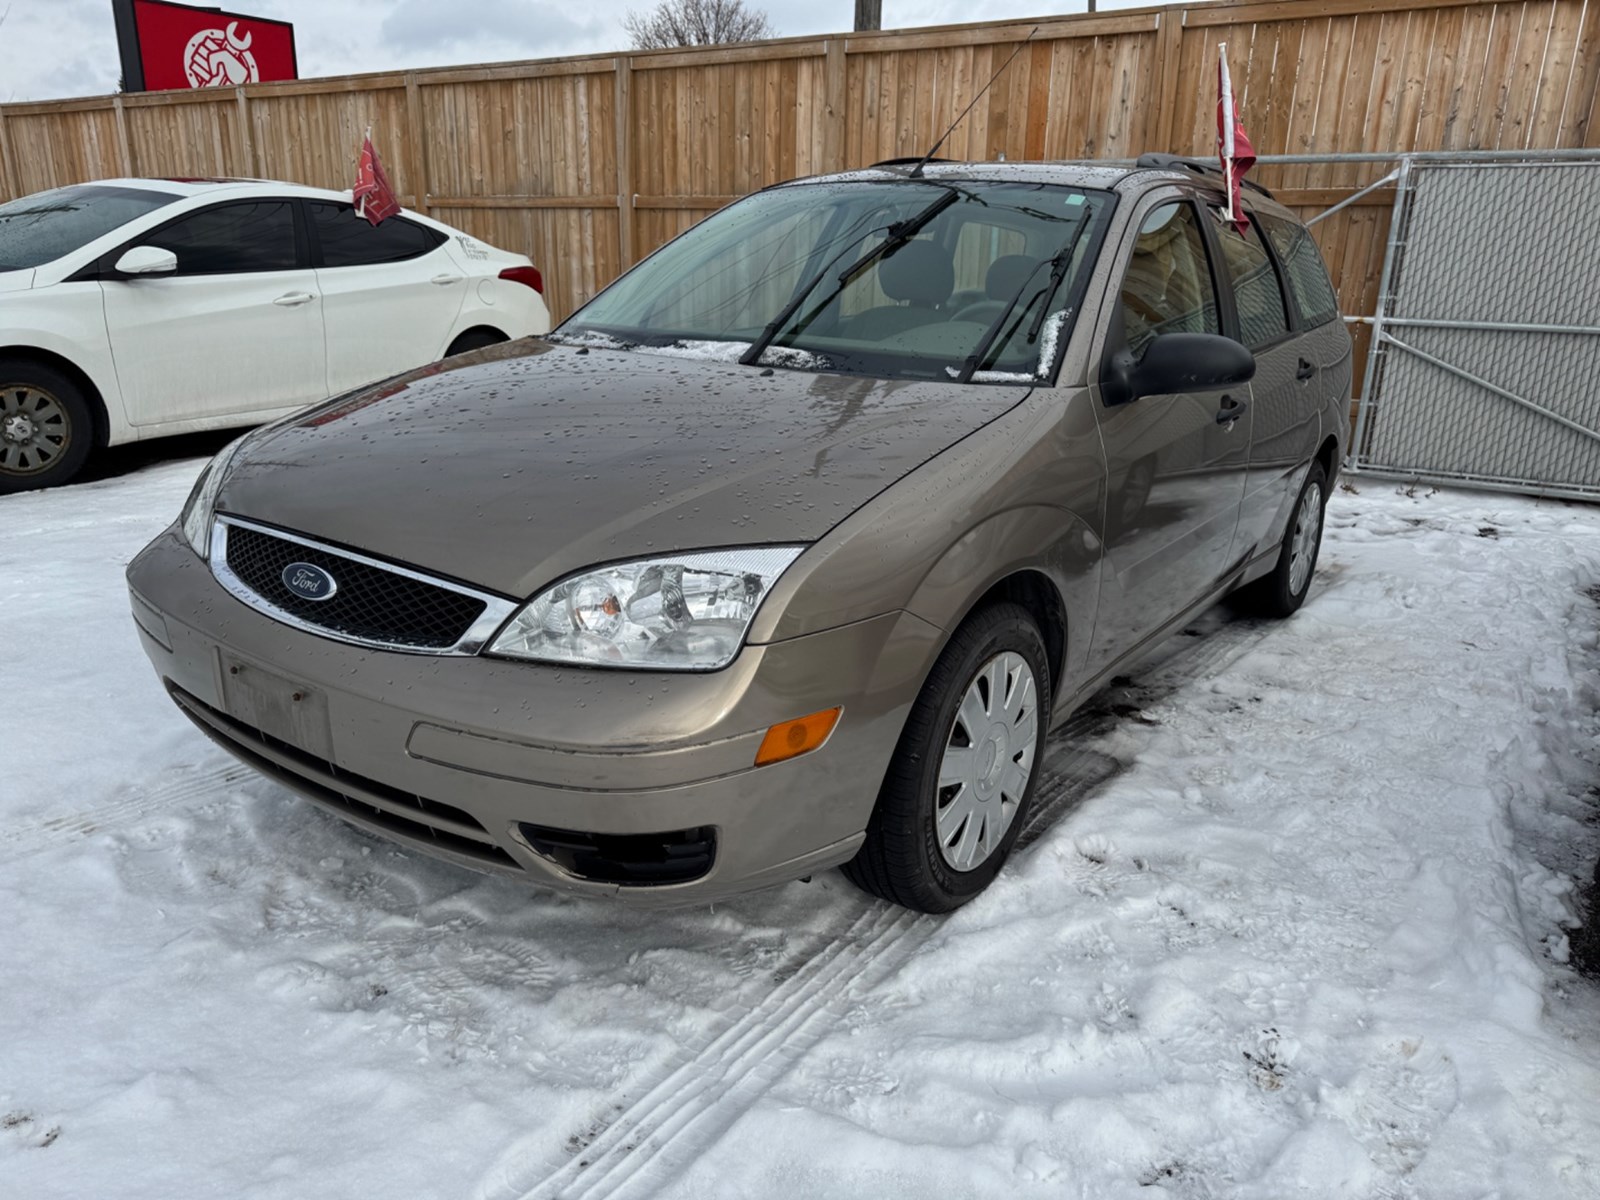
[
  {"x": 988, "y": 760},
  {"x": 1303, "y": 548},
  {"x": 34, "y": 429}
]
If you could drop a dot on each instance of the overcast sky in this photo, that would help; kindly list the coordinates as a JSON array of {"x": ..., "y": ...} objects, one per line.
[{"x": 53, "y": 48}]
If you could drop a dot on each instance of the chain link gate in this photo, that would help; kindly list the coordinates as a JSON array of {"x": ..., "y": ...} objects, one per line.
[{"x": 1485, "y": 362}]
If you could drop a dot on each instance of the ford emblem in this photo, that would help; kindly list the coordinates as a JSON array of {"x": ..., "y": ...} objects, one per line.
[{"x": 309, "y": 582}]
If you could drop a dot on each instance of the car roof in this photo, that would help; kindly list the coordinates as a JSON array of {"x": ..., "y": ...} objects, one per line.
[{"x": 218, "y": 186}]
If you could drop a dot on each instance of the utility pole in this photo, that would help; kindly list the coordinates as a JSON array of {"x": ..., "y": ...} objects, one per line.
[{"x": 869, "y": 14}]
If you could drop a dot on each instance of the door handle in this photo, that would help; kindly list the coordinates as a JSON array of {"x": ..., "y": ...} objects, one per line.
[
  {"x": 445, "y": 280},
  {"x": 291, "y": 299},
  {"x": 1230, "y": 411},
  {"x": 1306, "y": 371}
]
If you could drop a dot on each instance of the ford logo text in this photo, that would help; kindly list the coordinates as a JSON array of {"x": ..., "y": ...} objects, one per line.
[{"x": 309, "y": 582}]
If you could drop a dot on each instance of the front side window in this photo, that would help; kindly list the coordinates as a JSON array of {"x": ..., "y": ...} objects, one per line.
[
  {"x": 1168, "y": 287},
  {"x": 232, "y": 239},
  {"x": 1257, "y": 294},
  {"x": 38, "y": 229},
  {"x": 348, "y": 240},
  {"x": 1302, "y": 263},
  {"x": 922, "y": 278}
]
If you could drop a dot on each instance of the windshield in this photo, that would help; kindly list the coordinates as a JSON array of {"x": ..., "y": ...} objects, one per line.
[
  {"x": 41, "y": 228},
  {"x": 901, "y": 279}
]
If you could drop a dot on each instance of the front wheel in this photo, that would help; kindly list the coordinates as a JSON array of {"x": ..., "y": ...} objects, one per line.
[
  {"x": 963, "y": 775},
  {"x": 46, "y": 431},
  {"x": 1281, "y": 593}
]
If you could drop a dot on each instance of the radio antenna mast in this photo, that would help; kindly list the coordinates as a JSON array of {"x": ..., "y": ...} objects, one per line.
[{"x": 916, "y": 171}]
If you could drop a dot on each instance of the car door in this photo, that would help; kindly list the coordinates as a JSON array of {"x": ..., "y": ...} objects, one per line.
[
  {"x": 1283, "y": 413},
  {"x": 236, "y": 329},
  {"x": 390, "y": 293},
  {"x": 1175, "y": 465}
]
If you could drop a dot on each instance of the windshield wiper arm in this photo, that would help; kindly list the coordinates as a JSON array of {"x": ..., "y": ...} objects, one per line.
[
  {"x": 899, "y": 233},
  {"x": 1058, "y": 272}
]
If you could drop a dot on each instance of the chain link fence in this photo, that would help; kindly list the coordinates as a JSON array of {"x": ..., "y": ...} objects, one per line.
[{"x": 1485, "y": 367}]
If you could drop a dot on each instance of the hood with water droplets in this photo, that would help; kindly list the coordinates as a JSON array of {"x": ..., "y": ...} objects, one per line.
[{"x": 513, "y": 466}]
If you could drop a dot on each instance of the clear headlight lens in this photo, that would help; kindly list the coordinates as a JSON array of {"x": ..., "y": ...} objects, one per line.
[
  {"x": 680, "y": 612},
  {"x": 199, "y": 508}
]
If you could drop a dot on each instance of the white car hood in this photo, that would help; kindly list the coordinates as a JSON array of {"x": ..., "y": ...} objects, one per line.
[{"x": 16, "y": 281}]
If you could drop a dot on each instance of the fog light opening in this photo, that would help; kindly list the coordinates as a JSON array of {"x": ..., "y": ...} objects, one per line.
[{"x": 790, "y": 739}]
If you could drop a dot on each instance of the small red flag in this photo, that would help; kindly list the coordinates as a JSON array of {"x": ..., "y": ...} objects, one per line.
[
  {"x": 1233, "y": 144},
  {"x": 373, "y": 196}
]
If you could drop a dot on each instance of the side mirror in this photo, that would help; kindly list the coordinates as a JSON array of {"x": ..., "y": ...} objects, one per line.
[
  {"x": 1178, "y": 362},
  {"x": 147, "y": 260}
]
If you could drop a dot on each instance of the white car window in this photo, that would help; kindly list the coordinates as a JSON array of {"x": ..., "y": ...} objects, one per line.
[
  {"x": 40, "y": 228},
  {"x": 232, "y": 239},
  {"x": 350, "y": 241}
]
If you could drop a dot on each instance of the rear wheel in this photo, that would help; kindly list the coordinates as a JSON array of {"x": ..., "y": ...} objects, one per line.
[
  {"x": 46, "y": 431},
  {"x": 1281, "y": 593},
  {"x": 475, "y": 339},
  {"x": 962, "y": 779}
]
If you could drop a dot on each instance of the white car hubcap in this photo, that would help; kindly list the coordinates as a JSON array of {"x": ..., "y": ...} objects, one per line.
[{"x": 988, "y": 760}]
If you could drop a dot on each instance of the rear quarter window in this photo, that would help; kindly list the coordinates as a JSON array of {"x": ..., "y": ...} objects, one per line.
[
  {"x": 1302, "y": 263},
  {"x": 351, "y": 241}
]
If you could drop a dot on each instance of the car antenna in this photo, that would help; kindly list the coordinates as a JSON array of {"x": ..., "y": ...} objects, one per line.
[{"x": 916, "y": 171}]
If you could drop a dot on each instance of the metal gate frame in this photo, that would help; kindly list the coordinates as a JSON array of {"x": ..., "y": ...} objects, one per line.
[{"x": 1384, "y": 341}]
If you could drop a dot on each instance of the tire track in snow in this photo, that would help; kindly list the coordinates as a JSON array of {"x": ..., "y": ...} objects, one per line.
[
  {"x": 705, "y": 1091},
  {"x": 32, "y": 839}
]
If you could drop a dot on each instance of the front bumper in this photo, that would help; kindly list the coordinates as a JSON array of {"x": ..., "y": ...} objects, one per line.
[{"x": 467, "y": 759}]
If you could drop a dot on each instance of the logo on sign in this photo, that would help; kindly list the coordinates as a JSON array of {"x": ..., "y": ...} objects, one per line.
[
  {"x": 309, "y": 582},
  {"x": 220, "y": 58}
]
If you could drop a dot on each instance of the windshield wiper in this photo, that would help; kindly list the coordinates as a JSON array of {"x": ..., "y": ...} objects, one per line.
[
  {"x": 1058, "y": 272},
  {"x": 899, "y": 233}
]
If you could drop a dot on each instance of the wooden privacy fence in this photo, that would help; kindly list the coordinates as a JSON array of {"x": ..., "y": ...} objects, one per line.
[{"x": 589, "y": 163}]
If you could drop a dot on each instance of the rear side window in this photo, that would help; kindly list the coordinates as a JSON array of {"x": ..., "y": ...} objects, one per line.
[
  {"x": 1263, "y": 316},
  {"x": 349, "y": 241},
  {"x": 1302, "y": 263},
  {"x": 1168, "y": 287},
  {"x": 232, "y": 239}
]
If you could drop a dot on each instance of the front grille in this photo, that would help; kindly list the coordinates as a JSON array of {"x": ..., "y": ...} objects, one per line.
[
  {"x": 401, "y": 813},
  {"x": 370, "y": 603}
]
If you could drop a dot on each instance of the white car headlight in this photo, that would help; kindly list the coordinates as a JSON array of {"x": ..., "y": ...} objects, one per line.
[
  {"x": 679, "y": 612},
  {"x": 199, "y": 508}
]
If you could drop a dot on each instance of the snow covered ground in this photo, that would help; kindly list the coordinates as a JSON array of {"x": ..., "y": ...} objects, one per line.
[{"x": 1291, "y": 922}]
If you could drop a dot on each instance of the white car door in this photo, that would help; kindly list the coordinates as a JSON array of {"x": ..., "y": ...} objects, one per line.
[
  {"x": 390, "y": 293},
  {"x": 236, "y": 329}
]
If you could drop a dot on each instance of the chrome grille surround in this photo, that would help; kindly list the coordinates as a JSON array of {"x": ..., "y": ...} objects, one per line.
[{"x": 497, "y": 609}]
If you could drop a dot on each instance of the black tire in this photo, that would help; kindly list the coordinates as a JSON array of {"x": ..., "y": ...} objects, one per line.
[
  {"x": 475, "y": 339},
  {"x": 902, "y": 860},
  {"x": 46, "y": 426},
  {"x": 1274, "y": 594}
]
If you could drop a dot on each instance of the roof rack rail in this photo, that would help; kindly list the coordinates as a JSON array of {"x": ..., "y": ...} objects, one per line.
[{"x": 1200, "y": 166}]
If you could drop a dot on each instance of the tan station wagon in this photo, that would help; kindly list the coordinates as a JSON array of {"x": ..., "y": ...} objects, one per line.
[{"x": 784, "y": 552}]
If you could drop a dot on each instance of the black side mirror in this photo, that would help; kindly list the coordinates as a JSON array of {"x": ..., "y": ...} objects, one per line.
[{"x": 1178, "y": 362}]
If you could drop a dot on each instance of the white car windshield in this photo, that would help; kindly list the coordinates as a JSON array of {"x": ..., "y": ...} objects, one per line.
[
  {"x": 41, "y": 228},
  {"x": 968, "y": 280}
]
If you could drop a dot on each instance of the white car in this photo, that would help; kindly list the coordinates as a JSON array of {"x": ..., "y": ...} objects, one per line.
[{"x": 137, "y": 308}]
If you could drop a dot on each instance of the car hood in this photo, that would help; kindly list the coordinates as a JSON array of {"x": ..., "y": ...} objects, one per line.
[{"x": 516, "y": 465}]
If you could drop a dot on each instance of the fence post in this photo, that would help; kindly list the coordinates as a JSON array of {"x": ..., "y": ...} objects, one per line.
[
  {"x": 10, "y": 181},
  {"x": 1169, "y": 61},
  {"x": 624, "y": 156},
  {"x": 416, "y": 146},
  {"x": 247, "y": 141},
  {"x": 834, "y": 88}
]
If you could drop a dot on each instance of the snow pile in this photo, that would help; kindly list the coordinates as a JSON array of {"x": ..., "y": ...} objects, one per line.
[{"x": 1290, "y": 922}]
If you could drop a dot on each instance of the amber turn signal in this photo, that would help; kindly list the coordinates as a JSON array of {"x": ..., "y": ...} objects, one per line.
[{"x": 790, "y": 739}]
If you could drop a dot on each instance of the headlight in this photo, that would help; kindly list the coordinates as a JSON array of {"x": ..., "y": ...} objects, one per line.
[
  {"x": 682, "y": 612},
  {"x": 198, "y": 508}
]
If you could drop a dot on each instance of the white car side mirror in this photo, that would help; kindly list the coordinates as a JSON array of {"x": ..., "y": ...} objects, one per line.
[{"x": 147, "y": 260}]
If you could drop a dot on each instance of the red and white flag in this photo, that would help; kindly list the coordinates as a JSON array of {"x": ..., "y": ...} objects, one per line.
[
  {"x": 373, "y": 196},
  {"x": 1233, "y": 144}
]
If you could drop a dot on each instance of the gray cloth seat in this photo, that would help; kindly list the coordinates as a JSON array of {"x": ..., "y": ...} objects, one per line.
[{"x": 921, "y": 276}]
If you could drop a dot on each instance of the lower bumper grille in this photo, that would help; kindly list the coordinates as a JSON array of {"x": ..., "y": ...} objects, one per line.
[
  {"x": 637, "y": 859},
  {"x": 403, "y": 814}
]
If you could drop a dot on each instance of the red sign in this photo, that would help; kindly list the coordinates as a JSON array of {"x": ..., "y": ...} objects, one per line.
[{"x": 179, "y": 46}]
